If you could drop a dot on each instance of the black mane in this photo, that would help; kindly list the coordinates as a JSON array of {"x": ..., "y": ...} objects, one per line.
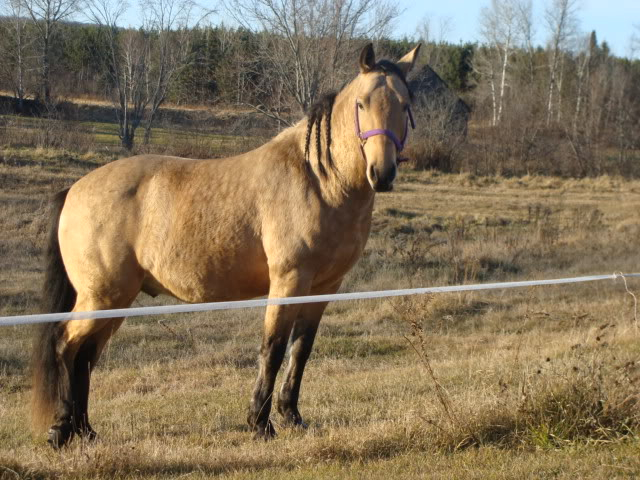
[{"x": 323, "y": 108}]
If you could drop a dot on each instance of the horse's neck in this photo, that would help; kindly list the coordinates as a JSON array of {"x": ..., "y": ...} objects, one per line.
[{"x": 344, "y": 180}]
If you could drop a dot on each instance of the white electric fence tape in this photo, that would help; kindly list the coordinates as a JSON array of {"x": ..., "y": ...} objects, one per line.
[{"x": 263, "y": 302}]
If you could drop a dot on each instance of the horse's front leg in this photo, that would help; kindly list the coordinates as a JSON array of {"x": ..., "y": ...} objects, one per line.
[
  {"x": 279, "y": 320},
  {"x": 302, "y": 338}
]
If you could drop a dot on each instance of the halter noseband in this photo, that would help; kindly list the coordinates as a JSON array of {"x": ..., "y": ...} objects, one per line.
[{"x": 363, "y": 136}]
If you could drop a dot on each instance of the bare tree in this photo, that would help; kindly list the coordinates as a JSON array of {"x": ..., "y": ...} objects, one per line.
[
  {"x": 561, "y": 17},
  {"x": 526, "y": 27},
  {"x": 143, "y": 63},
  {"x": 127, "y": 66},
  {"x": 47, "y": 15},
  {"x": 168, "y": 21},
  {"x": 499, "y": 27},
  {"x": 17, "y": 40},
  {"x": 587, "y": 46},
  {"x": 485, "y": 67},
  {"x": 430, "y": 34},
  {"x": 306, "y": 42},
  {"x": 432, "y": 38}
]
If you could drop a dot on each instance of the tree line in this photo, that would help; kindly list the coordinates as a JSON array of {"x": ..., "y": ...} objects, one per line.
[
  {"x": 531, "y": 102},
  {"x": 568, "y": 107}
]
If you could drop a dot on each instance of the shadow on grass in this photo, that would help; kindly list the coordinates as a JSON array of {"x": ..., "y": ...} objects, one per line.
[
  {"x": 136, "y": 465},
  {"x": 12, "y": 470}
]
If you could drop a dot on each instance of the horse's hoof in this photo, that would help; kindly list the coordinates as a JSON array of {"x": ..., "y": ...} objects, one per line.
[
  {"x": 85, "y": 431},
  {"x": 59, "y": 435},
  {"x": 292, "y": 418},
  {"x": 266, "y": 432},
  {"x": 301, "y": 424},
  {"x": 88, "y": 434},
  {"x": 295, "y": 421}
]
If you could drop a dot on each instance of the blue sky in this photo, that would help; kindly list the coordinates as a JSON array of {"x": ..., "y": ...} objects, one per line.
[{"x": 612, "y": 20}]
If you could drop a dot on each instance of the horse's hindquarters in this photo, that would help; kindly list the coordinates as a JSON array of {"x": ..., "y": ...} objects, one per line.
[{"x": 97, "y": 231}]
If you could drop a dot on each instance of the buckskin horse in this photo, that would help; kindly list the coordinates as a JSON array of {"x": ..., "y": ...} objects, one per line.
[{"x": 287, "y": 219}]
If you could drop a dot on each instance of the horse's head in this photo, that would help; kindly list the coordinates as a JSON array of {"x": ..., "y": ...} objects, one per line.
[{"x": 382, "y": 114}]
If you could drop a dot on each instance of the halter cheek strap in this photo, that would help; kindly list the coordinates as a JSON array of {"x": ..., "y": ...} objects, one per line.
[{"x": 363, "y": 136}]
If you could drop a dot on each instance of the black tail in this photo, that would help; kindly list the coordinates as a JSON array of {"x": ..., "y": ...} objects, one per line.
[{"x": 58, "y": 295}]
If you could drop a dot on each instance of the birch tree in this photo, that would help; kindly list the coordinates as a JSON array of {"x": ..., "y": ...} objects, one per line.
[
  {"x": 526, "y": 28},
  {"x": 587, "y": 49},
  {"x": 505, "y": 25},
  {"x": 17, "y": 38},
  {"x": 126, "y": 66},
  {"x": 561, "y": 18}
]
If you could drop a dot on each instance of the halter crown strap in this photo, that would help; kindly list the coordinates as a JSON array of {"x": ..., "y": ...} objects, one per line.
[{"x": 383, "y": 131}]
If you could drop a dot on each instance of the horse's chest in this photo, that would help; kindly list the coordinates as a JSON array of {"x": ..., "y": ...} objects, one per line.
[{"x": 342, "y": 251}]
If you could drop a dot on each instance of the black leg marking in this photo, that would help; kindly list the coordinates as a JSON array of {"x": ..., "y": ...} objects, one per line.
[
  {"x": 61, "y": 432},
  {"x": 271, "y": 356},
  {"x": 83, "y": 364},
  {"x": 302, "y": 340}
]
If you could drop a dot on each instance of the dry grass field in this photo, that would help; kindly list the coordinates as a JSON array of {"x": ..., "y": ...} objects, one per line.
[{"x": 527, "y": 383}]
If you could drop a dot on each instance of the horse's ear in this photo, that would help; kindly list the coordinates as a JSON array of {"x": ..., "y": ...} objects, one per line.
[
  {"x": 407, "y": 62},
  {"x": 367, "y": 59}
]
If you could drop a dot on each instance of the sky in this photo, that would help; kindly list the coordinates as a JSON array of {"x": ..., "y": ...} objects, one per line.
[{"x": 613, "y": 20}]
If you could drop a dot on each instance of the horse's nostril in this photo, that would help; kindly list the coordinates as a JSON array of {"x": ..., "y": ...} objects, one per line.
[{"x": 373, "y": 175}]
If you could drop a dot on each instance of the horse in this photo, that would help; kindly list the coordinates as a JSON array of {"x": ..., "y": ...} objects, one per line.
[{"x": 289, "y": 218}]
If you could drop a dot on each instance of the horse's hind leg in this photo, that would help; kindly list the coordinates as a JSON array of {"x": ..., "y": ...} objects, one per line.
[
  {"x": 84, "y": 362},
  {"x": 78, "y": 349},
  {"x": 82, "y": 365}
]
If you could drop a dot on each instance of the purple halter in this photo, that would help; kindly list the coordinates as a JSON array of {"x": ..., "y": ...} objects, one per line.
[{"x": 383, "y": 131}]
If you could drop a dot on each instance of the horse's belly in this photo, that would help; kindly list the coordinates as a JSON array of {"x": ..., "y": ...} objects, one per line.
[
  {"x": 237, "y": 281},
  {"x": 204, "y": 276}
]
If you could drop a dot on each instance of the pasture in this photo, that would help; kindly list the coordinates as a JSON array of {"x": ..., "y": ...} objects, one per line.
[
  {"x": 535, "y": 383},
  {"x": 89, "y": 135}
]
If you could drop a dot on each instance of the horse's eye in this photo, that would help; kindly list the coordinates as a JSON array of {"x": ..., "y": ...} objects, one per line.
[{"x": 360, "y": 106}]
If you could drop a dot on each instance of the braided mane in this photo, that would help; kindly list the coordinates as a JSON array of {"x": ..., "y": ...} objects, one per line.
[{"x": 322, "y": 109}]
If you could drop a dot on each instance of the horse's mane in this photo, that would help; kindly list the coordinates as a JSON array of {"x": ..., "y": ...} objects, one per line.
[{"x": 323, "y": 108}]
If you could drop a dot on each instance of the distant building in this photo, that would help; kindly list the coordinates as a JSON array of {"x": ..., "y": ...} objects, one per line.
[{"x": 434, "y": 98}]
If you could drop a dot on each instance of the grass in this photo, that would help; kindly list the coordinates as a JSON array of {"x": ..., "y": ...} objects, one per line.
[
  {"x": 533, "y": 383},
  {"x": 90, "y": 136}
]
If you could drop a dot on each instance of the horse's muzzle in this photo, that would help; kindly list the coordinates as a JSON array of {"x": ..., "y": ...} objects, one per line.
[
  {"x": 383, "y": 187},
  {"x": 382, "y": 181}
]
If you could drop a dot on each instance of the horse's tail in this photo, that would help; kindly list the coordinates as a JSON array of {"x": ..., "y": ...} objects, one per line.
[{"x": 58, "y": 295}]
